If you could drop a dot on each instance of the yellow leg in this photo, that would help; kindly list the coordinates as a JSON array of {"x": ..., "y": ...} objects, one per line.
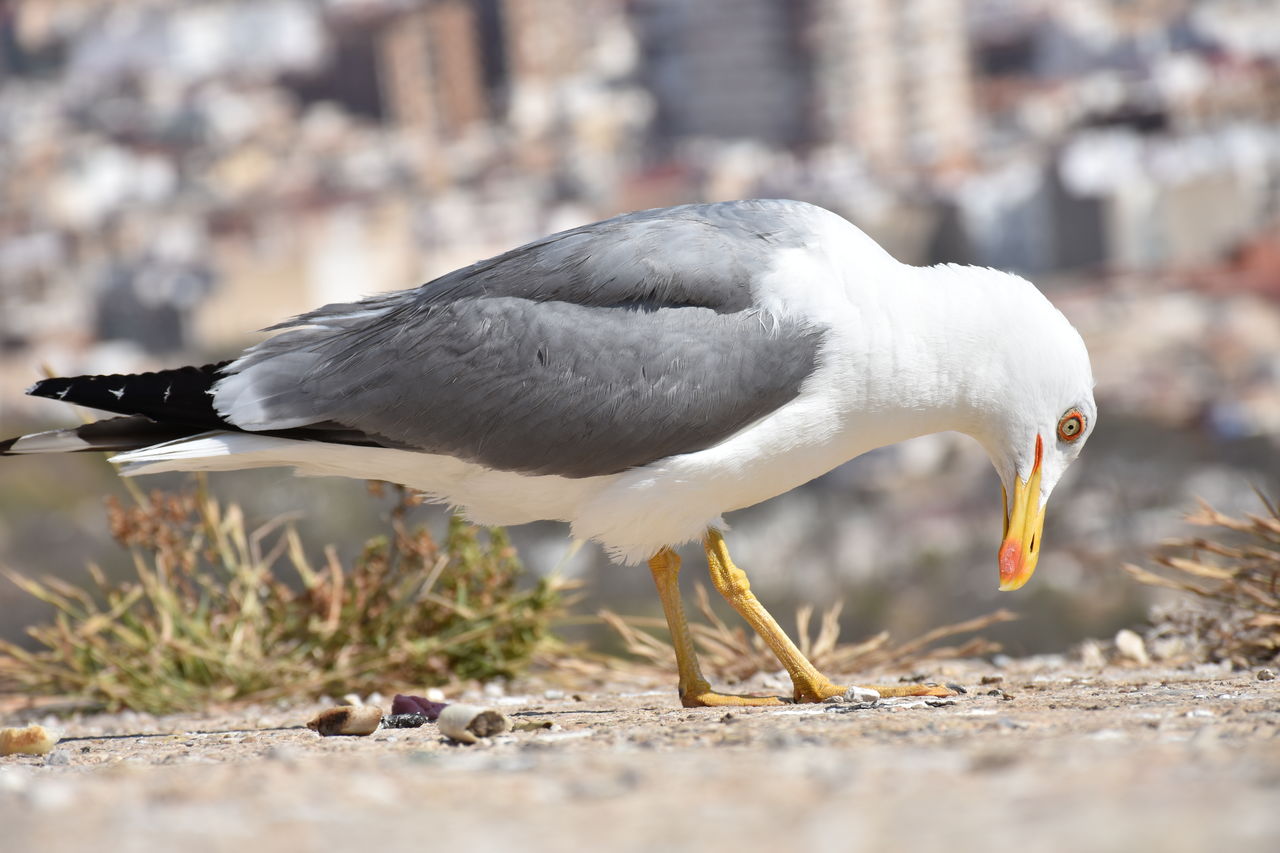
[
  {"x": 695, "y": 691},
  {"x": 809, "y": 684}
]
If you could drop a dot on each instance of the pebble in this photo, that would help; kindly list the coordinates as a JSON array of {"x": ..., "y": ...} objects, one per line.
[
  {"x": 33, "y": 740},
  {"x": 532, "y": 726},
  {"x": 1091, "y": 654},
  {"x": 469, "y": 723},
  {"x": 1131, "y": 646},
  {"x": 1168, "y": 648},
  {"x": 859, "y": 695},
  {"x": 419, "y": 705},
  {"x": 992, "y": 679},
  {"x": 347, "y": 720},
  {"x": 553, "y": 694},
  {"x": 1266, "y": 675},
  {"x": 59, "y": 758}
]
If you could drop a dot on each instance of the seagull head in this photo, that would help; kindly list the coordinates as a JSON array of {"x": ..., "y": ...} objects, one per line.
[{"x": 1038, "y": 412}]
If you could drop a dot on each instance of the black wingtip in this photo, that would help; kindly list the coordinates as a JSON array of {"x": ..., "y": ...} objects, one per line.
[
  {"x": 55, "y": 388},
  {"x": 6, "y": 445},
  {"x": 179, "y": 395}
]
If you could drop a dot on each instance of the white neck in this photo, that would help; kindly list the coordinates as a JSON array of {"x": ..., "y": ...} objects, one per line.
[{"x": 905, "y": 349}]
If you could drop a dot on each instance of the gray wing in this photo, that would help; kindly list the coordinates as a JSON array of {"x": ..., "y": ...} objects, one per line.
[{"x": 586, "y": 353}]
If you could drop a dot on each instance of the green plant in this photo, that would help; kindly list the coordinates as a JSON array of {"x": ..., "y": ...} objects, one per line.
[{"x": 216, "y": 612}]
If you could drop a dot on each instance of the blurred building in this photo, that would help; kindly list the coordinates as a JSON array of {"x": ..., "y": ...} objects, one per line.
[
  {"x": 892, "y": 81},
  {"x": 729, "y": 69},
  {"x": 887, "y": 79},
  {"x": 431, "y": 70}
]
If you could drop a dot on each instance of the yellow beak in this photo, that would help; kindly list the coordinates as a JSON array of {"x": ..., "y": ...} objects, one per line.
[{"x": 1023, "y": 529}]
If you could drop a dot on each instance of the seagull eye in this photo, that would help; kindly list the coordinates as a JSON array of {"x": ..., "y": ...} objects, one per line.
[{"x": 1071, "y": 426}]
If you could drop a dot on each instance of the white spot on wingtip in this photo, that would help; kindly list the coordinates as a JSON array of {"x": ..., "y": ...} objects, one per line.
[
  {"x": 61, "y": 395},
  {"x": 118, "y": 394},
  {"x": 167, "y": 390}
]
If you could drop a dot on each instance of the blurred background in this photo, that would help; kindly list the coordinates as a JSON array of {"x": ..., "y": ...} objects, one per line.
[{"x": 175, "y": 174}]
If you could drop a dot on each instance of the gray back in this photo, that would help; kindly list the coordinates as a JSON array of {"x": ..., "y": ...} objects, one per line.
[{"x": 585, "y": 353}]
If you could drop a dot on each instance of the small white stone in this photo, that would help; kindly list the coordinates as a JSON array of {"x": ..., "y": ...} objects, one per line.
[
  {"x": 553, "y": 694},
  {"x": 434, "y": 694},
  {"x": 859, "y": 695},
  {"x": 1091, "y": 654},
  {"x": 1266, "y": 675},
  {"x": 1131, "y": 646},
  {"x": 469, "y": 723},
  {"x": 1168, "y": 648}
]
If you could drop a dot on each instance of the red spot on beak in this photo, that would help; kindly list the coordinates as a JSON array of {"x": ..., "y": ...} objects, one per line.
[
  {"x": 1039, "y": 454},
  {"x": 1010, "y": 560}
]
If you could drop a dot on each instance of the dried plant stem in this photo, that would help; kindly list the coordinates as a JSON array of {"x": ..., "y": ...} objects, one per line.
[
  {"x": 728, "y": 653},
  {"x": 216, "y": 611},
  {"x": 1236, "y": 572}
]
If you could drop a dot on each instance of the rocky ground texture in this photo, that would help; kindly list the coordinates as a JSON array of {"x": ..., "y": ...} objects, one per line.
[{"x": 1040, "y": 754}]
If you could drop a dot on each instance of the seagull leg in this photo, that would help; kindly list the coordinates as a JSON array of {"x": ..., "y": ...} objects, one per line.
[
  {"x": 810, "y": 685},
  {"x": 695, "y": 691}
]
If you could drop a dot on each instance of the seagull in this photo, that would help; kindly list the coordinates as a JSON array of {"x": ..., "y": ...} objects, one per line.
[{"x": 638, "y": 378}]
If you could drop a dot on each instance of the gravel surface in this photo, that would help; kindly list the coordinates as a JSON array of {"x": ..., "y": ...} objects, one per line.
[{"x": 1041, "y": 757}]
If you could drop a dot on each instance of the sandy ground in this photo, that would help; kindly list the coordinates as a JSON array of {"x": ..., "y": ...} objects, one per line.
[{"x": 1050, "y": 758}]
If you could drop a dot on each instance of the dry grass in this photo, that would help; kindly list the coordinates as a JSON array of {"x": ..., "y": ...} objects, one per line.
[
  {"x": 1235, "y": 571},
  {"x": 218, "y": 612},
  {"x": 731, "y": 654}
]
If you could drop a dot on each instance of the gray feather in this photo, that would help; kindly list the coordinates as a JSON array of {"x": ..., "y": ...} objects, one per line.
[{"x": 586, "y": 353}]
